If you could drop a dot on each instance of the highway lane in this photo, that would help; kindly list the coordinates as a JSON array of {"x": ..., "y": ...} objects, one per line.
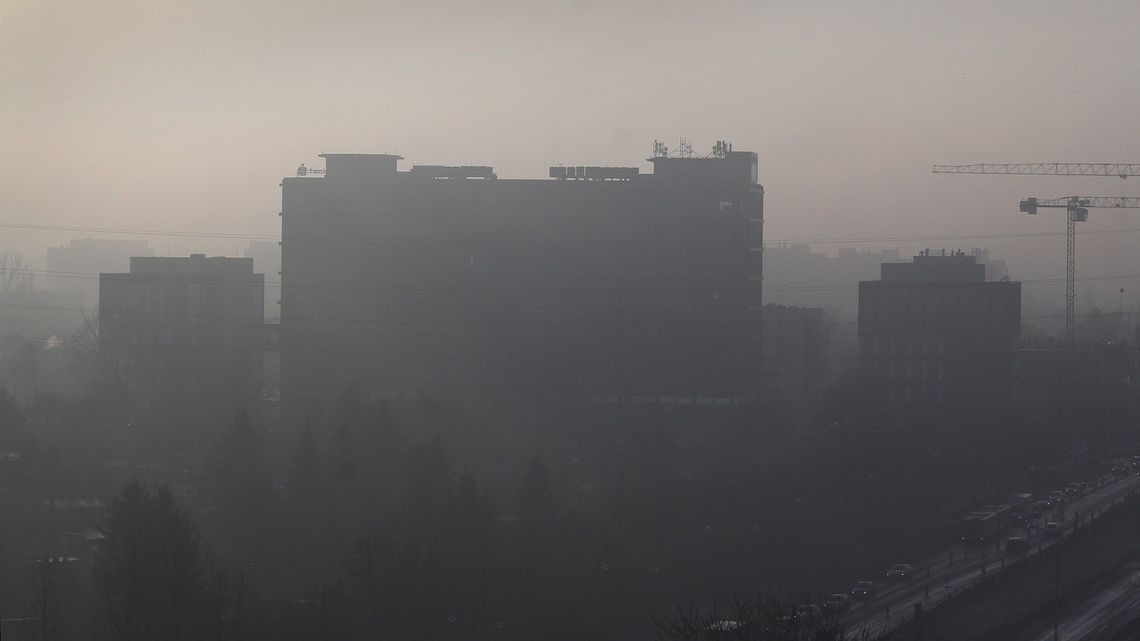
[
  {"x": 1103, "y": 614},
  {"x": 951, "y": 572}
]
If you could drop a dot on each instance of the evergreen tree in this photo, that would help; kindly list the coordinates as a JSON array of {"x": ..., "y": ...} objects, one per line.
[
  {"x": 241, "y": 487},
  {"x": 146, "y": 571}
]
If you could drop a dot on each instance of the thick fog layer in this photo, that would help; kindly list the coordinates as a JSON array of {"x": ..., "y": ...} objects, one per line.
[
  {"x": 566, "y": 320},
  {"x": 184, "y": 116}
]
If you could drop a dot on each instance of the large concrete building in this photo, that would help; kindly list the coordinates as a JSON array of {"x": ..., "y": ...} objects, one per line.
[
  {"x": 934, "y": 331},
  {"x": 196, "y": 321},
  {"x": 599, "y": 285}
]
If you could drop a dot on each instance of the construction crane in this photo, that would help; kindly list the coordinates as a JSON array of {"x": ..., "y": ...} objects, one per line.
[
  {"x": 1076, "y": 211},
  {"x": 1077, "y": 208},
  {"x": 1114, "y": 169}
]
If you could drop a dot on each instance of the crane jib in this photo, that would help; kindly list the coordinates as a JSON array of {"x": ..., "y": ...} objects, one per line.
[
  {"x": 1077, "y": 208},
  {"x": 1119, "y": 170}
]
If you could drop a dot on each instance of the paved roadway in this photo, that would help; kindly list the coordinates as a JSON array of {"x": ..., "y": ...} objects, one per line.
[
  {"x": 1103, "y": 615},
  {"x": 950, "y": 573}
]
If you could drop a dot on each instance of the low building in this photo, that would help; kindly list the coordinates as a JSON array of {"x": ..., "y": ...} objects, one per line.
[
  {"x": 195, "y": 321},
  {"x": 1051, "y": 375}
]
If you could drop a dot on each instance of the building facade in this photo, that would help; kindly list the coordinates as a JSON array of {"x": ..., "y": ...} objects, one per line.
[
  {"x": 934, "y": 331},
  {"x": 795, "y": 360},
  {"x": 601, "y": 284},
  {"x": 1052, "y": 376},
  {"x": 196, "y": 321}
]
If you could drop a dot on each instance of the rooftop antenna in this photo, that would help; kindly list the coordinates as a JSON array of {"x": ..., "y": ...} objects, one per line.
[
  {"x": 659, "y": 149},
  {"x": 684, "y": 149}
]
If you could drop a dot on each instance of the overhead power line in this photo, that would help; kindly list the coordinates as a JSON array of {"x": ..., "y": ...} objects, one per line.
[
  {"x": 475, "y": 286},
  {"x": 414, "y": 241}
]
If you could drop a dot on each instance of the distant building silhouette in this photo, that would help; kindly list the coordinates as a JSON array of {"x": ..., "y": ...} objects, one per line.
[
  {"x": 795, "y": 355},
  {"x": 935, "y": 331},
  {"x": 266, "y": 255},
  {"x": 72, "y": 267},
  {"x": 601, "y": 284},
  {"x": 797, "y": 276},
  {"x": 196, "y": 319}
]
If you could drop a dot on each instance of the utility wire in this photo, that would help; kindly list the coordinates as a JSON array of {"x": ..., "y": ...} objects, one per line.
[
  {"x": 475, "y": 242},
  {"x": 475, "y": 286}
]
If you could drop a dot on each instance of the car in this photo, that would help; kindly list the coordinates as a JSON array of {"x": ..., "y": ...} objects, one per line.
[
  {"x": 1074, "y": 489},
  {"x": 1046, "y": 502},
  {"x": 863, "y": 590},
  {"x": 1058, "y": 497},
  {"x": 900, "y": 572},
  {"x": 838, "y": 602},
  {"x": 1052, "y": 530},
  {"x": 1119, "y": 468}
]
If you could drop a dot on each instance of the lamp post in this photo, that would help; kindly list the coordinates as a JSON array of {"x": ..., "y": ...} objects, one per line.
[{"x": 1056, "y": 586}]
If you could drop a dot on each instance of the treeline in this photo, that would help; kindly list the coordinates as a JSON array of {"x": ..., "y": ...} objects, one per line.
[{"x": 373, "y": 523}]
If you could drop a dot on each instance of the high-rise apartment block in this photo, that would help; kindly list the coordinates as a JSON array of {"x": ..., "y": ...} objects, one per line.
[{"x": 600, "y": 284}]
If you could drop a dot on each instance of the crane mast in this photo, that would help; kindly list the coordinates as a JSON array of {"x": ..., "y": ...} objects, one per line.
[{"x": 1076, "y": 207}]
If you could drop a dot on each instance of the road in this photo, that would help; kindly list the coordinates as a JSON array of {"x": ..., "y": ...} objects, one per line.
[
  {"x": 957, "y": 568},
  {"x": 1102, "y": 616}
]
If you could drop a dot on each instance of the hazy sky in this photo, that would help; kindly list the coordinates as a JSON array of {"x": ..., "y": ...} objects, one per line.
[{"x": 185, "y": 115}]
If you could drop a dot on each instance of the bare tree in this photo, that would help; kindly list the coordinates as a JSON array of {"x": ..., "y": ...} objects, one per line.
[
  {"x": 103, "y": 368},
  {"x": 225, "y": 607},
  {"x": 760, "y": 618},
  {"x": 44, "y": 597},
  {"x": 15, "y": 275},
  {"x": 50, "y": 599}
]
